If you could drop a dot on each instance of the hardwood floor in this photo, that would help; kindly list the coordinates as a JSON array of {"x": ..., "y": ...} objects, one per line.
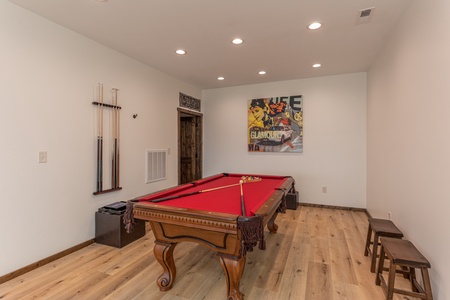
[{"x": 318, "y": 253}]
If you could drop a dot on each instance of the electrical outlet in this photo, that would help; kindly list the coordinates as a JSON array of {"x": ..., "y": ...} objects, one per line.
[
  {"x": 389, "y": 215},
  {"x": 42, "y": 156},
  {"x": 324, "y": 189}
]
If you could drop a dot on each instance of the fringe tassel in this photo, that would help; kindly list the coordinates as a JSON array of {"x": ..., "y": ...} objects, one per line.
[
  {"x": 283, "y": 206},
  {"x": 252, "y": 231},
  {"x": 128, "y": 218}
]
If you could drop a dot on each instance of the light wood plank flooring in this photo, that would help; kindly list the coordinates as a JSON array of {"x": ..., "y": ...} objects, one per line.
[{"x": 318, "y": 253}]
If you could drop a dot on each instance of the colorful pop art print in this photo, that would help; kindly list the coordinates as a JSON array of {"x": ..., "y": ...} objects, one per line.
[{"x": 275, "y": 124}]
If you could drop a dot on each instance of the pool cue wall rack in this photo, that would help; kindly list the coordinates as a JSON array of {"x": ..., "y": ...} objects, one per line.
[{"x": 114, "y": 113}]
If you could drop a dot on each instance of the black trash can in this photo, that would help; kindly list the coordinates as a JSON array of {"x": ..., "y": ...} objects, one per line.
[
  {"x": 292, "y": 201},
  {"x": 109, "y": 227}
]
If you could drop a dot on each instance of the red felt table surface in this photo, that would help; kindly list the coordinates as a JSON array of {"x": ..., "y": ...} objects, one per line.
[{"x": 227, "y": 200}]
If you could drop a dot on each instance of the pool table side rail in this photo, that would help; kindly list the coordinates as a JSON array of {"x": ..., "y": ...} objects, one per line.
[
  {"x": 179, "y": 187},
  {"x": 288, "y": 185},
  {"x": 163, "y": 192},
  {"x": 276, "y": 200},
  {"x": 267, "y": 210},
  {"x": 218, "y": 231},
  {"x": 200, "y": 219}
]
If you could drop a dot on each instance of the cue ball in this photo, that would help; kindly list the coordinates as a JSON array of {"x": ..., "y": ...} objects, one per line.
[{"x": 241, "y": 181}]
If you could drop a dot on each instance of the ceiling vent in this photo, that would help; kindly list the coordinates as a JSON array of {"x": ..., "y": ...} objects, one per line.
[{"x": 365, "y": 15}]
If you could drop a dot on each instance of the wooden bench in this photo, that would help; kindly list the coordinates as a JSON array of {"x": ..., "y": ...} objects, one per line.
[
  {"x": 404, "y": 254},
  {"x": 380, "y": 228}
]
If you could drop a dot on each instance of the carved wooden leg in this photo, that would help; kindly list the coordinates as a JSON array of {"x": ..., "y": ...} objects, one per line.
[
  {"x": 374, "y": 252},
  {"x": 391, "y": 281},
  {"x": 380, "y": 267},
  {"x": 164, "y": 254},
  {"x": 271, "y": 224},
  {"x": 233, "y": 268},
  {"x": 427, "y": 284},
  {"x": 369, "y": 237},
  {"x": 412, "y": 278}
]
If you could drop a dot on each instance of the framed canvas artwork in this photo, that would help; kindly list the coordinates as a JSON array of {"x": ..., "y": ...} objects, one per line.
[{"x": 275, "y": 124}]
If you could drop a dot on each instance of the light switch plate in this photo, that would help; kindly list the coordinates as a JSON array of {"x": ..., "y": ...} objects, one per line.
[{"x": 42, "y": 156}]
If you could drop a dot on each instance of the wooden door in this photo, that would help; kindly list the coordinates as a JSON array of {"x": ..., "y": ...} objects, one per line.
[{"x": 189, "y": 146}]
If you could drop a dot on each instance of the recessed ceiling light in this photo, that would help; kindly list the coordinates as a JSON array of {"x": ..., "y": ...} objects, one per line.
[
  {"x": 237, "y": 41},
  {"x": 102, "y": 0},
  {"x": 316, "y": 65},
  {"x": 262, "y": 72},
  {"x": 220, "y": 78},
  {"x": 180, "y": 52},
  {"x": 315, "y": 25}
]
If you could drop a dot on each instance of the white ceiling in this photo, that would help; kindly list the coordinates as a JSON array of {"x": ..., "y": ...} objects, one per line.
[{"x": 275, "y": 34}]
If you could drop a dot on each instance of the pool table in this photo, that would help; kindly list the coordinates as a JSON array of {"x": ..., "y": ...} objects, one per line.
[{"x": 209, "y": 212}]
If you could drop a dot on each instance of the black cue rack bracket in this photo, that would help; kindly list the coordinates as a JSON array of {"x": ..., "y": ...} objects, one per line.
[
  {"x": 114, "y": 110},
  {"x": 107, "y": 191},
  {"x": 106, "y": 105}
]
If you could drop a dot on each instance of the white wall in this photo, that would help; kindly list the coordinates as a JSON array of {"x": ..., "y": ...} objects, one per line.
[
  {"x": 48, "y": 76},
  {"x": 334, "y": 136},
  {"x": 408, "y": 157}
]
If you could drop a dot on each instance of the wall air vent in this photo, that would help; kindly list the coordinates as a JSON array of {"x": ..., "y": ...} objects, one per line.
[
  {"x": 365, "y": 15},
  {"x": 155, "y": 165}
]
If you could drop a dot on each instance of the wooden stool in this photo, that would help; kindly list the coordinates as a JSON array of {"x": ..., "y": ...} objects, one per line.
[
  {"x": 379, "y": 227},
  {"x": 404, "y": 254}
]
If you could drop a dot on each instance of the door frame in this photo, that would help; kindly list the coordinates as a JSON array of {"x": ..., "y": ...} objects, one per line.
[{"x": 199, "y": 159}]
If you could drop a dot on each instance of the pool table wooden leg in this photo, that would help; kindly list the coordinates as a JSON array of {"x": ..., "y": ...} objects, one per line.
[
  {"x": 233, "y": 268},
  {"x": 271, "y": 224},
  {"x": 164, "y": 254}
]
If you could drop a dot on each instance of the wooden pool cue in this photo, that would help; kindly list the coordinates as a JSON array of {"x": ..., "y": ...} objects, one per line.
[
  {"x": 115, "y": 142},
  {"x": 99, "y": 139},
  {"x": 193, "y": 193},
  {"x": 244, "y": 214},
  {"x": 118, "y": 144},
  {"x": 204, "y": 191}
]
